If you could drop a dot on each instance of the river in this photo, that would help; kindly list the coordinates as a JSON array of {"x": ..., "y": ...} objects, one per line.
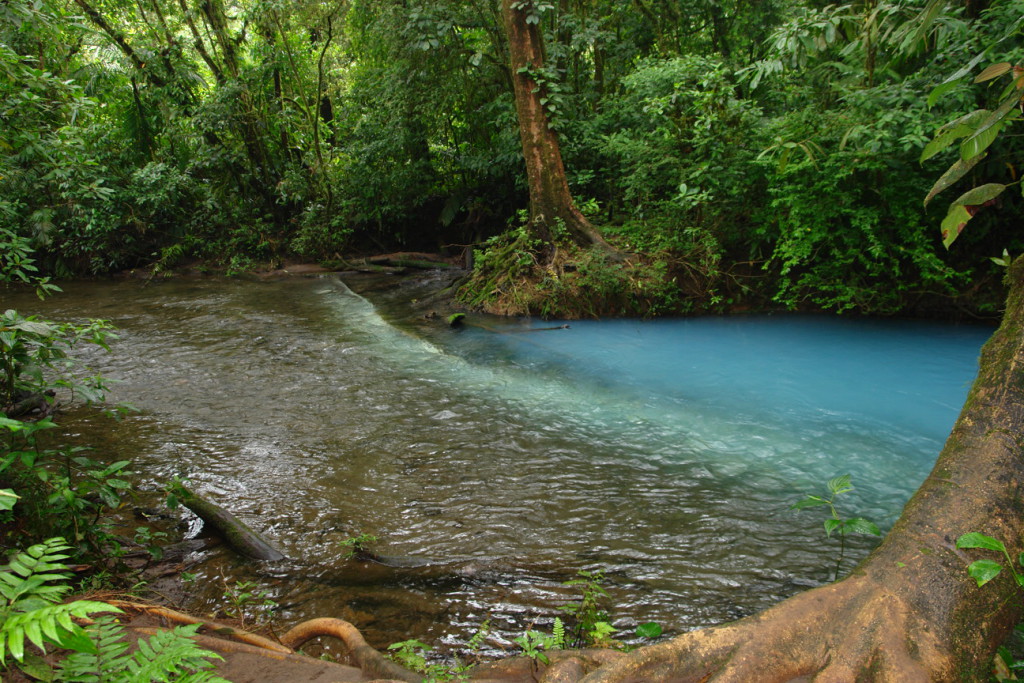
[{"x": 665, "y": 454}]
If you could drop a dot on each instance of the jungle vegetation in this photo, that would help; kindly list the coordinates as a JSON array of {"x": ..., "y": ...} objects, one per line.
[
  {"x": 595, "y": 157},
  {"x": 701, "y": 156}
]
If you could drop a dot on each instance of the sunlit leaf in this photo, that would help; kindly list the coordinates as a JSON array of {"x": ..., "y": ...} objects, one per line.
[
  {"x": 953, "y": 80},
  {"x": 808, "y": 502},
  {"x": 953, "y": 224},
  {"x": 859, "y": 525},
  {"x": 984, "y": 571},
  {"x": 840, "y": 484},
  {"x": 7, "y": 499},
  {"x": 976, "y": 540},
  {"x": 953, "y": 131},
  {"x": 993, "y": 71},
  {"x": 979, "y": 141},
  {"x": 650, "y": 629}
]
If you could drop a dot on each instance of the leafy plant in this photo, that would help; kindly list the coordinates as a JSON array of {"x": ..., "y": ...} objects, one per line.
[
  {"x": 35, "y": 357},
  {"x": 852, "y": 525},
  {"x": 168, "y": 655},
  {"x": 589, "y": 621},
  {"x": 31, "y": 587},
  {"x": 535, "y": 643},
  {"x": 985, "y": 570},
  {"x": 649, "y": 629},
  {"x": 358, "y": 546},
  {"x": 412, "y": 654},
  {"x": 62, "y": 492},
  {"x": 247, "y": 602}
]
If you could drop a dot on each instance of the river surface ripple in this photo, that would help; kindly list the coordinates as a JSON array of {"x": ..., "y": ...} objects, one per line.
[{"x": 665, "y": 454}]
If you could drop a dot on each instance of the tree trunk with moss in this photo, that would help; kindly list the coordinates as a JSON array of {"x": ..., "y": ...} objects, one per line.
[{"x": 551, "y": 202}]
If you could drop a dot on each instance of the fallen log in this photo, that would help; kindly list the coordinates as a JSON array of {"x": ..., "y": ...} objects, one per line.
[
  {"x": 417, "y": 264},
  {"x": 233, "y": 530}
]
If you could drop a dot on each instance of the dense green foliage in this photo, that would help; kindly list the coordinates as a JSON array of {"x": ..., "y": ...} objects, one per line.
[
  {"x": 32, "y": 587},
  {"x": 749, "y": 153}
]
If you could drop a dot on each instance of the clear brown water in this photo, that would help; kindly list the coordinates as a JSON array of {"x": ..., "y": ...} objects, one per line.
[{"x": 315, "y": 415}]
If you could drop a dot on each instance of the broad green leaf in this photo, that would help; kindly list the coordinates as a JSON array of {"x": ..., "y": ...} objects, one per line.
[
  {"x": 78, "y": 640},
  {"x": 979, "y": 195},
  {"x": 37, "y": 668},
  {"x": 984, "y": 571},
  {"x": 954, "y": 173},
  {"x": 859, "y": 525},
  {"x": 840, "y": 484},
  {"x": 831, "y": 525},
  {"x": 953, "y": 224},
  {"x": 953, "y": 131},
  {"x": 953, "y": 80},
  {"x": 650, "y": 629},
  {"x": 16, "y": 643},
  {"x": 993, "y": 71},
  {"x": 979, "y": 141},
  {"x": 7, "y": 499},
  {"x": 808, "y": 502},
  {"x": 982, "y": 134},
  {"x": 976, "y": 540}
]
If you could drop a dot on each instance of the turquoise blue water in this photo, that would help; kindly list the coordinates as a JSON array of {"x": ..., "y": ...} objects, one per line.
[{"x": 794, "y": 399}]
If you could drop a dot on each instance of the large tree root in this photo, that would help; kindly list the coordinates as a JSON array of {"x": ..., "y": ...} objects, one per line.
[
  {"x": 222, "y": 630},
  {"x": 856, "y": 630},
  {"x": 368, "y": 659}
]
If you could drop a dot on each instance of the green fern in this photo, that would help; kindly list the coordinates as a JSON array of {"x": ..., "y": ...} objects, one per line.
[
  {"x": 100, "y": 666},
  {"x": 557, "y": 635},
  {"x": 30, "y": 586},
  {"x": 167, "y": 656}
]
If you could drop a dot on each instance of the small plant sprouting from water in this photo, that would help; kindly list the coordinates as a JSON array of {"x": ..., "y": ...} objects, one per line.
[
  {"x": 590, "y": 625},
  {"x": 851, "y": 525},
  {"x": 247, "y": 603},
  {"x": 535, "y": 644},
  {"x": 358, "y": 546}
]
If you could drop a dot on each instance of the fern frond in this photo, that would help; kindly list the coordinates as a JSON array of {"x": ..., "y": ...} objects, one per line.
[
  {"x": 109, "y": 662},
  {"x": 175, "y": 653},
  {"x": 28, "y": 573},
  {"x": 558, "y": 635},
  {"x": 49, "y": 624}
]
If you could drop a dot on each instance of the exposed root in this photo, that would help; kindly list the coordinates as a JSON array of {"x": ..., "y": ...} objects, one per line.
[
  {"x": 372, "y": 662},
  {"x": 850, "y": 631},
  {"x": 220, "y": 629}
]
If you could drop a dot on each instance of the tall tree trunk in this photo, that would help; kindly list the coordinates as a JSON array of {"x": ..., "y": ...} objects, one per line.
[
  {"x": 550, "y": 199},
  {"x": 909, "y": 612}
]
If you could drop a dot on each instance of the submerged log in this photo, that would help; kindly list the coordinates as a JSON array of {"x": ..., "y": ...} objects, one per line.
[{"x": 237, "y": 534}]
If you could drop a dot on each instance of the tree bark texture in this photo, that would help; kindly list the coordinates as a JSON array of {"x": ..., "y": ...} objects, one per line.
[
  {"x": 909, "y": 611},
  {"x": 550, "y": 199}
]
